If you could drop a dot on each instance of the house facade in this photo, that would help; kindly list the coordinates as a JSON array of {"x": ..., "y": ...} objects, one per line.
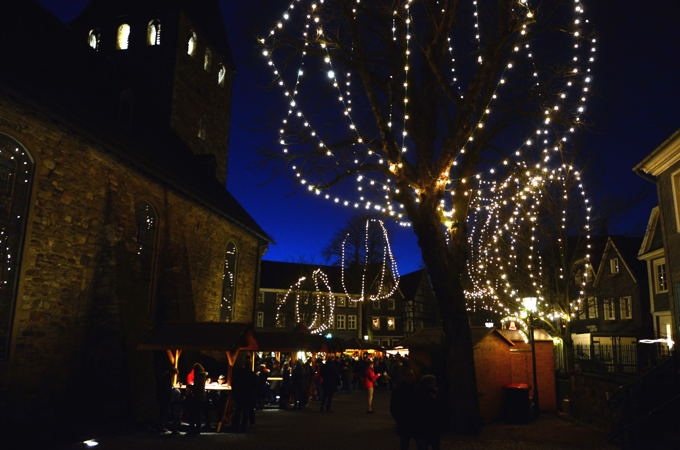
[
  {"x": 114, "y": 215},
  {"x": 662, "y": 167},
  {"x": 615, "y": 311},
  {"x": 653, "y": 254}
]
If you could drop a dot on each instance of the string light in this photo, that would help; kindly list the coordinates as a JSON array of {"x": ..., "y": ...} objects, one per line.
[{"x": 505, "y": 198}]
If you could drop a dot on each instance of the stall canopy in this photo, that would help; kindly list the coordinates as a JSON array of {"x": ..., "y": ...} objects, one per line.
[
  {"x": 175, "y": 337},
  {"x": 222, "y": 336}
]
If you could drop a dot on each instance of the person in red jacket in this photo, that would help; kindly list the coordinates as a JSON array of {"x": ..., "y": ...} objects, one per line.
[{"x": 370, "y": 377}]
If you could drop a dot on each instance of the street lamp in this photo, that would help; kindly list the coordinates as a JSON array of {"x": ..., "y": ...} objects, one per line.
[{"x": 530, "y": 305}]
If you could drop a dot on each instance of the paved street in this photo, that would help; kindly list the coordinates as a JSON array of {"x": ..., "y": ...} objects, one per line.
[{"x": 349, "y": 427}]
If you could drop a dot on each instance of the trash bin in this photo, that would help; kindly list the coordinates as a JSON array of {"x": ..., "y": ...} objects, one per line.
[{"x": 516, "y": 407}]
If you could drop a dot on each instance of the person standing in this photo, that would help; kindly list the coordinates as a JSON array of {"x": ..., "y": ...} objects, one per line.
[
  {"x": 244, "y": 392},
  {"x": 330, "y": 377},
  {"x": 402, "y": 402},
  {"x": 197, "y": 399},
  {"x": 370, "y": 378},
  {"x": 429, "y": 414}
]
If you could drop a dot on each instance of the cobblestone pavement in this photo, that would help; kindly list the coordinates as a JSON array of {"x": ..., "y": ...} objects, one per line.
[{"x": 349, "y": 427}]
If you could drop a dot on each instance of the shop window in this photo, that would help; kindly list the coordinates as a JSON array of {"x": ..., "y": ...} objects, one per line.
[{"x": 16, "y": 177}]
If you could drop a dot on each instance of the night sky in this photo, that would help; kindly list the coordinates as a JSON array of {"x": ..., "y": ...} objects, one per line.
[{"x": 635, "y": 106}]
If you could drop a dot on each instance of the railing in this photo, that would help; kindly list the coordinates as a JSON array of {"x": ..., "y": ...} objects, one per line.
[
  {"x": 625, "y": 358},
  {"x": 645, "y": 411}
]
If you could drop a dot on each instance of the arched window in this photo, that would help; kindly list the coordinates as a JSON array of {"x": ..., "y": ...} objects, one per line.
[
  {"x": 153, "y": 32},
  {"x": 16, "y": 175},
  {"x": 94, "y": 39},
  {"x": 123, "y": 37},
  {"x": 147, "y": 231},
  {"x": 229, "y": 283},
  {"x": 191, "y": 44},
  {"x": 207, "y": 58},
  {"x": 221, "y": 74}
]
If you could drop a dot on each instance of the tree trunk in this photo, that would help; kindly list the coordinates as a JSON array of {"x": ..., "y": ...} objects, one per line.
[{"x": 445, "y": 264}]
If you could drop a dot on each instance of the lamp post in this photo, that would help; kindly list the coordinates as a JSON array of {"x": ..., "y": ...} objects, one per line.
[{"x": 529, "y": 304}]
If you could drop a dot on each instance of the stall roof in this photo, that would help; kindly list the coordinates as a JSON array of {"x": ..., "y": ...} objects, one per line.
[
  {"x": 434, "y": 337},
  {"x": 231, "y": 337},
  {"x": 200, "y": 336},
  {"x": 287, "y": 341}
]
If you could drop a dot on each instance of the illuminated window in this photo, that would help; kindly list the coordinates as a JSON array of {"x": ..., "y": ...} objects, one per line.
[
  {"x": 221, "y": 75},
  {"x": 592, "y": 308},
  {"x": 375, "y": 322},
  {"x": 153, "y": 32},
  {"x": 207, "y": 59},
  {"x": 340, "y": 322},
  {"x": 351, "y": 321},
  {"x": 259, "y": 321},
  {"x": 123, "y": 37},
  {"x": 614, "y": 265},
  {"x": 609, "y": 309},
  {"x": 626, "y": 307},
  {"x": 16, "y": 176},
  {"x": 229, "y": 283},
  {"x": 391, "y": 323},
  {"x": 94, "y": 39},
  {"x": 660, "y": 280},
  {"x": 191, "y": 44}
]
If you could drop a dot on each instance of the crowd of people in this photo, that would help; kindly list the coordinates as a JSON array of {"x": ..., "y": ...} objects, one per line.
[{"x": 415, "y": 404}]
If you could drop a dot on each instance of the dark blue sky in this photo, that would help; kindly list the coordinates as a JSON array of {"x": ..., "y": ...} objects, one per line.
[{"x": 635, "y": 106}]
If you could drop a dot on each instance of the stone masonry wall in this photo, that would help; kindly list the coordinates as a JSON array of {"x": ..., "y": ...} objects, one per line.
[{"x": 82, "y": 304}]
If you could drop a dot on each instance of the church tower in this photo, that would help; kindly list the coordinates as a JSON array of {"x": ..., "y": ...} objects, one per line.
[{"x": 165, "y": 74}]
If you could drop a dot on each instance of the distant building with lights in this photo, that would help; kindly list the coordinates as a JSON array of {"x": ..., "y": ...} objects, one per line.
[
  {"x": 114, "y": 215},
  {"x": 313, "y": 295}
]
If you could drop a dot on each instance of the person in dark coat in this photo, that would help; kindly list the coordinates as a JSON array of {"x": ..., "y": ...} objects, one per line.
[
  {"x": 403, "y": 406},
  {"x": 244, "y": 392},
  {"x": 429, "y": 414},
  {"x": 330, "y": 378},
  {"x": 197, "y": 399}
]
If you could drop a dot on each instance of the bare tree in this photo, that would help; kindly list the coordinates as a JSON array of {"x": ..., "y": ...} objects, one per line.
[{"x": 434, "y": 105}]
